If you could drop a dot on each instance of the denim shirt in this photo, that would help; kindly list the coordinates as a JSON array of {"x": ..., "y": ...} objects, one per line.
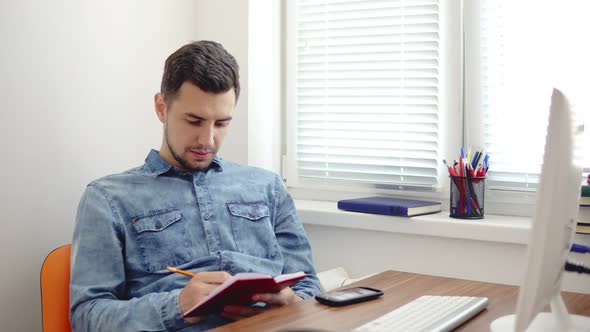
[{"x": 130, "y": 226}]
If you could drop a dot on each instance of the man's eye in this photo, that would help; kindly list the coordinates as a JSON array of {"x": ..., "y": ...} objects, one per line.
[
  {"x": 194, "y": 123},
  {"x": 222, "y": 124}
]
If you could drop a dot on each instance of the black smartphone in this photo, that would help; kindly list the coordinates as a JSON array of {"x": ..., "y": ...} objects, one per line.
[{"x": 348, "y": 296}]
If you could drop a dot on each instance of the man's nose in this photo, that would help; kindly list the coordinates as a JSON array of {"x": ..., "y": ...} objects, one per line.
[{"x": 206, "y": 136}]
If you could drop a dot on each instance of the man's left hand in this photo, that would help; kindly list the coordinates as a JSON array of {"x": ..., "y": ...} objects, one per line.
[{"x": 284, "y": 297}]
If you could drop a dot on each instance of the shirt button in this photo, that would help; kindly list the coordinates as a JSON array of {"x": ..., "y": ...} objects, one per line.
[{"x": 159, "y": 225}]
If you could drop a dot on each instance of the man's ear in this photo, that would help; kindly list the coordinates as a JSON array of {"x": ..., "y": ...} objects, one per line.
[{"x": 161, "y": 107}]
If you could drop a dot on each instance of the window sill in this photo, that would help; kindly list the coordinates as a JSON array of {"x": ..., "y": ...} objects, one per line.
[{"x": 493, "y": 228}]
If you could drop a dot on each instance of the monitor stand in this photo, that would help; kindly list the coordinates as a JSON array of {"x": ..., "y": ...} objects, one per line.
[{"x": 557, "y": 320}]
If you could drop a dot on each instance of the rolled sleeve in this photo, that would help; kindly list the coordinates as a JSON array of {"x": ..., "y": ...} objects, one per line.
[
  {"x": 293, "y": 242},
  {"x": 171, "y": 314}
]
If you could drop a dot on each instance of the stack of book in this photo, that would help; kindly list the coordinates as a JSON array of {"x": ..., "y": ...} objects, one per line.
[{"x": 584, "y": 214}]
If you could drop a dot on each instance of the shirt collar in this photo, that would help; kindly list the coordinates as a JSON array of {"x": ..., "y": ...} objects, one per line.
[{"x": 158, "y": 166}]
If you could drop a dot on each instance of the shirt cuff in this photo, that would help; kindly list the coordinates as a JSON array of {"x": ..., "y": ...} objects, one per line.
[
  {"x": 171, "y": 314},
  {"x": 302, "y": 294}
]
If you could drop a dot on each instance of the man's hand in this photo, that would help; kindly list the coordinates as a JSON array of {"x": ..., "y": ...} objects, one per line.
[
  {"x": 285, "y": 296},
  {"x": 201, "y": 285}
]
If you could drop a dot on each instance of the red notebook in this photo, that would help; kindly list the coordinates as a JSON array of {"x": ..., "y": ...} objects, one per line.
[{"x": 239, "y": 290}]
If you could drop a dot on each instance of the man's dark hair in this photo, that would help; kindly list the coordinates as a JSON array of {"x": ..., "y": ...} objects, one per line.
[{"x": 205, "y": 64}]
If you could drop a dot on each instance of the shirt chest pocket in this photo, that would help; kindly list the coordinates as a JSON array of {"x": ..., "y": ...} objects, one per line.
[
  {"x": 252, "y": 229},
  {"x": 162, "y": 239}
]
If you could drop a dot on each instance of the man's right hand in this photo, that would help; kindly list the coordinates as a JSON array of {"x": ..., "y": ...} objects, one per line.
[{"x": 201, "y": 285}]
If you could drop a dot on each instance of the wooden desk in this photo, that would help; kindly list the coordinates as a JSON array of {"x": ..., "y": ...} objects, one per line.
[{"x": 399, "y": 288}]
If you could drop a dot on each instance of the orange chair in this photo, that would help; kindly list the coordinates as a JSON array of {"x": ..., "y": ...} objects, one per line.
[{"x": 55, "y": 290}]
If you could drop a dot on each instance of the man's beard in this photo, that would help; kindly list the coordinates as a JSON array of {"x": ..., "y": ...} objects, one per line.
[{"x": 179, "y": 158}]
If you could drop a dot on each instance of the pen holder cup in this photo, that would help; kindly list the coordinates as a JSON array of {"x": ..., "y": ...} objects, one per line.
[{"x": 467, "y": 197}]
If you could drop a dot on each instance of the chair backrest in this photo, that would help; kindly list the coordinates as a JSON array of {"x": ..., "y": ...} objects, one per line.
[{"x": 55, "y": 290}]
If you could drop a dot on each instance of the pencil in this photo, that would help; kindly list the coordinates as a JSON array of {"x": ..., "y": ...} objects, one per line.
[{"x": 172, "y": 269}]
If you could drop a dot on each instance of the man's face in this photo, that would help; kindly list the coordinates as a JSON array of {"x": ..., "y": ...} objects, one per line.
[{"x": 195, "y": 124}]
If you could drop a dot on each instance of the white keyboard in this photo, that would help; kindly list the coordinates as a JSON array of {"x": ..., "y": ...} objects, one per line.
[{"x": 428, "y": 313}]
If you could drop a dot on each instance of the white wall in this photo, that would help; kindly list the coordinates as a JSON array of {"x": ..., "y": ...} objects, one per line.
[
  {"x": 376, "y": 251},
  {"x": 264, "y": 84},
  {"x": 77, "y": 80}
]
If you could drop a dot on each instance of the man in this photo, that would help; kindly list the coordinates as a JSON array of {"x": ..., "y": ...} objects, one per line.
[{"x": 186, "y": 208}]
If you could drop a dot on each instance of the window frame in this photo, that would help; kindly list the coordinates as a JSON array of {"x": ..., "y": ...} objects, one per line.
[{"x": 456, "y": 126}]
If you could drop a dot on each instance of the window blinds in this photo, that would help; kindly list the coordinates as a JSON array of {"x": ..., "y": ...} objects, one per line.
[
  {"x": 504, "y": 112},
  {"x": 367, "y": 85},
  {"x": 519, "y": 65}
]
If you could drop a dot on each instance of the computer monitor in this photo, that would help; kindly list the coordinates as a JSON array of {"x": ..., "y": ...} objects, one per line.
[{"x": 553, "y": 228}]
